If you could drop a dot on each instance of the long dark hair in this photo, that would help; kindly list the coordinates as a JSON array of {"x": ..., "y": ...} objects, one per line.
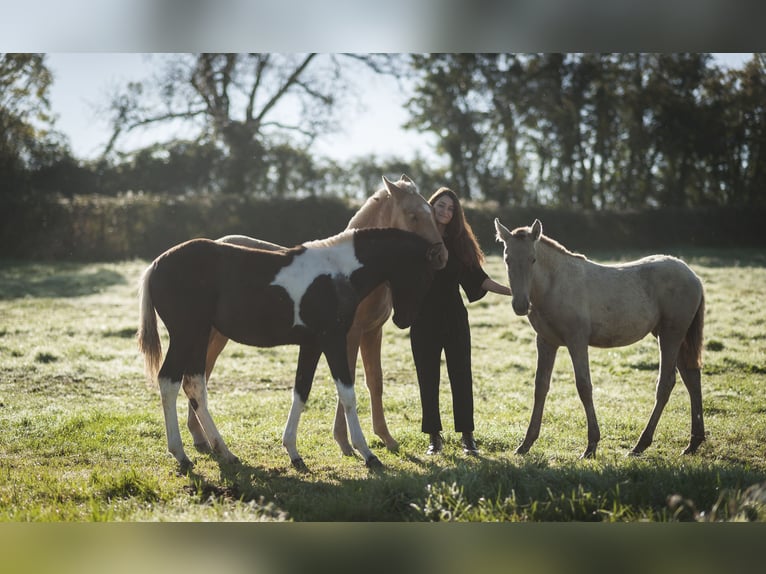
[{"x": 459, "y": 236}]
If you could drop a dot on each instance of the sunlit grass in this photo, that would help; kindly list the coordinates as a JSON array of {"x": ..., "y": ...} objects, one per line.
[{"x": 83, "y": 434}]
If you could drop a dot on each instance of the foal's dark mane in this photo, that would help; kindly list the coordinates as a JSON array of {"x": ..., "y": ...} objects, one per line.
[{"x": 523, "y": 232}]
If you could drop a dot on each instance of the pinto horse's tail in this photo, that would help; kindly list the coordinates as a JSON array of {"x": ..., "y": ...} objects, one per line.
[
  {"x": 148, "y": 336},
  {"x": 691, "y": 347}
]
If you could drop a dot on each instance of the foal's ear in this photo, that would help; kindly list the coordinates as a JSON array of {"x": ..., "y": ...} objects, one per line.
[
  {"x": 405, "y": 179},
  {"x": 502, "y": 232},
  {"x": 390, "y": 185},
  {"x": 537, "y": 229}
]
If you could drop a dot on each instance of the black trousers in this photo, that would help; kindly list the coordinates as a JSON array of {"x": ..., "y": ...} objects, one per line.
[{"x": 431, "y": 334}]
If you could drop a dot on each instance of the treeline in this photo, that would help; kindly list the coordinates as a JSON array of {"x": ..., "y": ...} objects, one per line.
[
  {"x": 99, "y": 228},
  {"x": 570, "y": 131},
  {"x": 597, "y": 131}
]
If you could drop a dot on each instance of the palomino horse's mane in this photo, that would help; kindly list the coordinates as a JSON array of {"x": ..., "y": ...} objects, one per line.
[
  {"x": 523, "y": 232},
  {"x": 342, "y": 237},
  {"x": 368, "y": 208}
]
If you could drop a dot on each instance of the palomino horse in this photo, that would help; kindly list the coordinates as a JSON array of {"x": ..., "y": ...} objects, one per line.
[
  {"x": 397, "y": 204},
  {"x": 574, "y": 302},
  {"x": 307, "y": 296}
]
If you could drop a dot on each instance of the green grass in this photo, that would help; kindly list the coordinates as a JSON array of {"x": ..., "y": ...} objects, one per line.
[{"x": 83, "y": 436}]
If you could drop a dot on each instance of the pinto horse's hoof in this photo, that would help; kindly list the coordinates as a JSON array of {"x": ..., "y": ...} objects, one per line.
[
  {"x": 299, "y": 465},
  {"x": 373, "y": 463},
  {"x": 521, "y": 449},
  {"x": 345, "y": 447}
]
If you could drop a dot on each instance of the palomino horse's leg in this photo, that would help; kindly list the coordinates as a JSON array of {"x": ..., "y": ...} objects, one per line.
[
  {"x": 169, "y": 394},
  {"x": 340, "y": 432},
  {"x": 335, "y": 352},
  {"x": 546, "y": 356},
  {"x": 373, "y": 376},
  {"x": 691, "y": 378},
  {"x": 215, "y": 345},
  {"x": 581, "y": 363},
  {"x": 666, "y": 380},
  {"x": 308, "y": 358},
  {"x": 196, "y": 390}
]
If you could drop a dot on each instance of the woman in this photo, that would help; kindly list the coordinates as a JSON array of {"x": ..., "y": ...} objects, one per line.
[{"x": 442, "y": 323}]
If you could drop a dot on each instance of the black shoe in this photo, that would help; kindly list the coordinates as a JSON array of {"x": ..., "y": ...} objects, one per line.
[
  {"x": 436, "y": 444},
  {"x": 469, "y": 444}
]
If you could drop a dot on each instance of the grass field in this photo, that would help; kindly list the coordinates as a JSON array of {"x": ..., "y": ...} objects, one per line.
[{"x": 83, "y": 436}]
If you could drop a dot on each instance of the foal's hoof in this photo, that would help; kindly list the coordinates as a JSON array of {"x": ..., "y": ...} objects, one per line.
[
  {"x": 522, "y": 449},
  {"x": 185, "y": 466},
  {"x": 231, "y": 459},
  {"x": 299, "y": 465},
  {"x": 373, "y": 463}
]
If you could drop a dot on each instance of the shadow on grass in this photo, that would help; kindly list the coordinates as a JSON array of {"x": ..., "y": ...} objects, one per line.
[
  {"x": 515, "y": 488},
  {"x": 41, "y": 280}
]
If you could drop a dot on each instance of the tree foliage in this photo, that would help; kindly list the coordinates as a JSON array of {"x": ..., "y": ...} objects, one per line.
[
  {"x": 575, "y": 131},
  {"x": 24, "y": 115},
  {"x": 596, "y": 130},
  {"x": 250, "y": 106}
]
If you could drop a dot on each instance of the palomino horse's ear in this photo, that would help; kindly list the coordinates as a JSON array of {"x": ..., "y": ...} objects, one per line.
[
  {"x": 537, "y": 229},
  {"x": 405, "y": 179},
  {"x": 502, "y": 231}
]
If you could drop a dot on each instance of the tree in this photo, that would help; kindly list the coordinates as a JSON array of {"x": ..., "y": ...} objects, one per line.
[
  {"x": 446, "y": 103},
  {"x": 596, "y": 130},
  {"x": 241, "y": 103},
  {"x": 25, "y": 119}
]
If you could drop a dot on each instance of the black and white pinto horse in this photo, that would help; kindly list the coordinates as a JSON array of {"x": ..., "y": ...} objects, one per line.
[{"x": 306, "y": 296}]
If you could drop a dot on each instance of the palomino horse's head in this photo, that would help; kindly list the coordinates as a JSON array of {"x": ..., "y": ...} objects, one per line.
[
  {"x": 520, "y": 256},
  {"x": 411, "y": 212}
]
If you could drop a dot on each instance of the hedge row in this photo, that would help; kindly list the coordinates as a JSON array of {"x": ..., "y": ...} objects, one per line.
[{"x": 142, "y": 226}]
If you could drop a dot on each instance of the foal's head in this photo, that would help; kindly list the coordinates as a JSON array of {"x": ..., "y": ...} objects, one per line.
[{"x": 520, "y": 255}]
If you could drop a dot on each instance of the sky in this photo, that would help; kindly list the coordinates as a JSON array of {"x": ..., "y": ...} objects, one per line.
[{"x": 83, "y": 81}]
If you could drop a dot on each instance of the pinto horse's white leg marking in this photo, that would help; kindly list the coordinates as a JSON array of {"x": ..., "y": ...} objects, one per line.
[
  {"x": 315, "y": 261},
  {"x": 347, "y": 398},
  {"x": 196, "y": 390},
  {"x": 290, "y": 436},
  {"x": 169, "y": 394}
]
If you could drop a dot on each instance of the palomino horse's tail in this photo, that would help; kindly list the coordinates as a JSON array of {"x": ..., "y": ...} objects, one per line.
[
  {"x": 691, "y": 348},
  {"x": 148, "y": 336}
]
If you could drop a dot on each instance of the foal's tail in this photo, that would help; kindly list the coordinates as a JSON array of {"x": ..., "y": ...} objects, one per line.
[
  {"x": 691, "y": 347},
  {"x": 148, "y": 336}
]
